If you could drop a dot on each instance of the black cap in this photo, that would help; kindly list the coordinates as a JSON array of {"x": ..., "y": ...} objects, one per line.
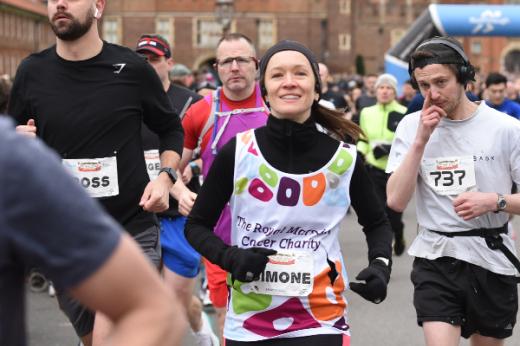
[{"x": 295, "y": 46}]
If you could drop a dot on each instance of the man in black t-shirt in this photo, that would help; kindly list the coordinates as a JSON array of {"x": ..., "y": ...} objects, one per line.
[
  {"x": 181, "y": 261},
  {"x": 87, "y": 100}
]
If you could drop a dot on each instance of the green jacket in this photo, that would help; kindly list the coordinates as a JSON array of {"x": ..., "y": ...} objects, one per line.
[{"x": 379, "y": 123}]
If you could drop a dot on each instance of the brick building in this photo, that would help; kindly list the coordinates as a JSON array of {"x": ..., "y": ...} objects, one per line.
[
  {"x": 336, "y": 30},
  {"x": 24, "y": 29}
]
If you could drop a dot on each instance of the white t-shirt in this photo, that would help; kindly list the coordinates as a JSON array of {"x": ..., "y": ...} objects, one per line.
[{"x": 491, "y": 139}]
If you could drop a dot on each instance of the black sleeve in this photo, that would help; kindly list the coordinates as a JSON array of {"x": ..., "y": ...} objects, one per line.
[
  {"x": 371, "y": 213},
  {"x": 158, "y": 113},
  {"x": 211, "y": 200},
  {"x": 18, "y": 106}
]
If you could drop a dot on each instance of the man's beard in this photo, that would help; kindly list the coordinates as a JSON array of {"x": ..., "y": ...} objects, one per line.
[{"x": 74, "y": 29}]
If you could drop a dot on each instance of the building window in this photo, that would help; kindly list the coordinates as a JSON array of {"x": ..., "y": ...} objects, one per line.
[
  {"x": 266, "y": 33},
  {"x": 164, "y": 27},
  {"x": 344, "y": 6},
  {"x": 112, "y": 31},
  {"x": 344, "y": 42},
  {"x": 207, "y": 33},
  {"x": 476, "y": 47}
]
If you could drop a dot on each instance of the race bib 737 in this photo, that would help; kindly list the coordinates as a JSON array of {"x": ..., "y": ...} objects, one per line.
[{"x": 449, "y": 175}]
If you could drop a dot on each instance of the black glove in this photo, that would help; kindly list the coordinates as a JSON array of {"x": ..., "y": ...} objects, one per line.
[
  {"x": 376, "y": 276},
  {"x": 246, "y": 265},
  {"x": 381, "y": 150}
]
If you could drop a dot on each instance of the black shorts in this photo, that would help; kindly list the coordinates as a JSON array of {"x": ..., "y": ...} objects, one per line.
[
  {"x": 81, "y": 317},
  {"x": 463, "y": 294}
]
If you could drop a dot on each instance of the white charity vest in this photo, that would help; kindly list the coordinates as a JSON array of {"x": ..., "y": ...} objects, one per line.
[{"x": 299, "y": 216}]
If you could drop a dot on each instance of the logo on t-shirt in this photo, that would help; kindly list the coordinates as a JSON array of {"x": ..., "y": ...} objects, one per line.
[{"x": 119, "y": 67}]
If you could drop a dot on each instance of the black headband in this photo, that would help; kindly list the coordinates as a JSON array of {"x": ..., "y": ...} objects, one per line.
[{"x": 295, "y": 46}]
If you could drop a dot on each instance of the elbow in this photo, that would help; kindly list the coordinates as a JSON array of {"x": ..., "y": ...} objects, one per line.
[{"x": 395, "y": 204}]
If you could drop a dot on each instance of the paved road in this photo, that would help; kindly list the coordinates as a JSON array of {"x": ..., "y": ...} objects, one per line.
[{"x": 391, "y": 323}]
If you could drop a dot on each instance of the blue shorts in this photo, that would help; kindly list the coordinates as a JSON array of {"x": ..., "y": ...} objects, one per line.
[{"x": 178, "y": 255}]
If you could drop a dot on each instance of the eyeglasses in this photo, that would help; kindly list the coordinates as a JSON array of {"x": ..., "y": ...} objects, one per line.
[{"x": 242, "y": 61}]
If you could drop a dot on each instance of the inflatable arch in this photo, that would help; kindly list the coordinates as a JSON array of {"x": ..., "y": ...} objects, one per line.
[{"x": 451, "y": 20}]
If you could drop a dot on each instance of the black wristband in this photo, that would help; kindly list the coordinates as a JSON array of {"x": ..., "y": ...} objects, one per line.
[{"x": 195, "y": 169}]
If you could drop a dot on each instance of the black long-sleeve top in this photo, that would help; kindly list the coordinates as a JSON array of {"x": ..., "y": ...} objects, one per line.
[
  {"x": 94, "y": 108},
  {"x": 292, "y": 148}
]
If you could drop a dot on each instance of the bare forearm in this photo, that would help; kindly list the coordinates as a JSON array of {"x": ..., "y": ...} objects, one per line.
[
  {"x": 513, "y": 203},
  {"x": 131, "y": 294},
  {"x": 170, "y": 158},
  {"x": 403, "y": 181},
  {"x": 187, "y": 155}
]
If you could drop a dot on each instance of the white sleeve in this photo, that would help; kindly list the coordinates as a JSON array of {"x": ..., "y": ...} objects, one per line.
[
  {"x": 404, "y": 135},
  {"x": 514, "y": 159}
]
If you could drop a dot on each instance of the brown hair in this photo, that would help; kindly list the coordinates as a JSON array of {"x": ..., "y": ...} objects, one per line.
[{"x": 335, "y": 122}]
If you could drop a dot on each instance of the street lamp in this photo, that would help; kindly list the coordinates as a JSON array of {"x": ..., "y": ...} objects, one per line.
[{"x": 224, "y": 12}]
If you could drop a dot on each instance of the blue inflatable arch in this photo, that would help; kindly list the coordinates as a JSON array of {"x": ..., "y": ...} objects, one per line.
[{"x": 451, "y": 20}]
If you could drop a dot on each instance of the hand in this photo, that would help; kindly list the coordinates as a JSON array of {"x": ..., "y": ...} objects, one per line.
[
  {"x": 246, "y": 265},
  {"x": 469, "y": 205},
  {"x": 187, "y": 174},
  {"x": 156, "y": 196},
  {"x": 28, "y": 130},
  {"x": 430, "y": 117},
  {"x": 376, "y": 276},
  {"x": 186, "y": 201}
]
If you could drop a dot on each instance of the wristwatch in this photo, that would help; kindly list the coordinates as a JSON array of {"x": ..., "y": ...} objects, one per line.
[
  {"x": 171, "y": 173},
  {"x": 501, "y": 203}
]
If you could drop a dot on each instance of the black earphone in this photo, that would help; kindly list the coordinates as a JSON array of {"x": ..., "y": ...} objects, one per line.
[{"x": 465, "y": 71}]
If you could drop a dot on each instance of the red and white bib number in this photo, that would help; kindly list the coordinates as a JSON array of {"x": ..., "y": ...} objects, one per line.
[
  {"x": 286, "y": 274},
  {"x": 97, "y": 176},
  {"x": 153, "y": 163},
  {"x": 449, "y": 175}
]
